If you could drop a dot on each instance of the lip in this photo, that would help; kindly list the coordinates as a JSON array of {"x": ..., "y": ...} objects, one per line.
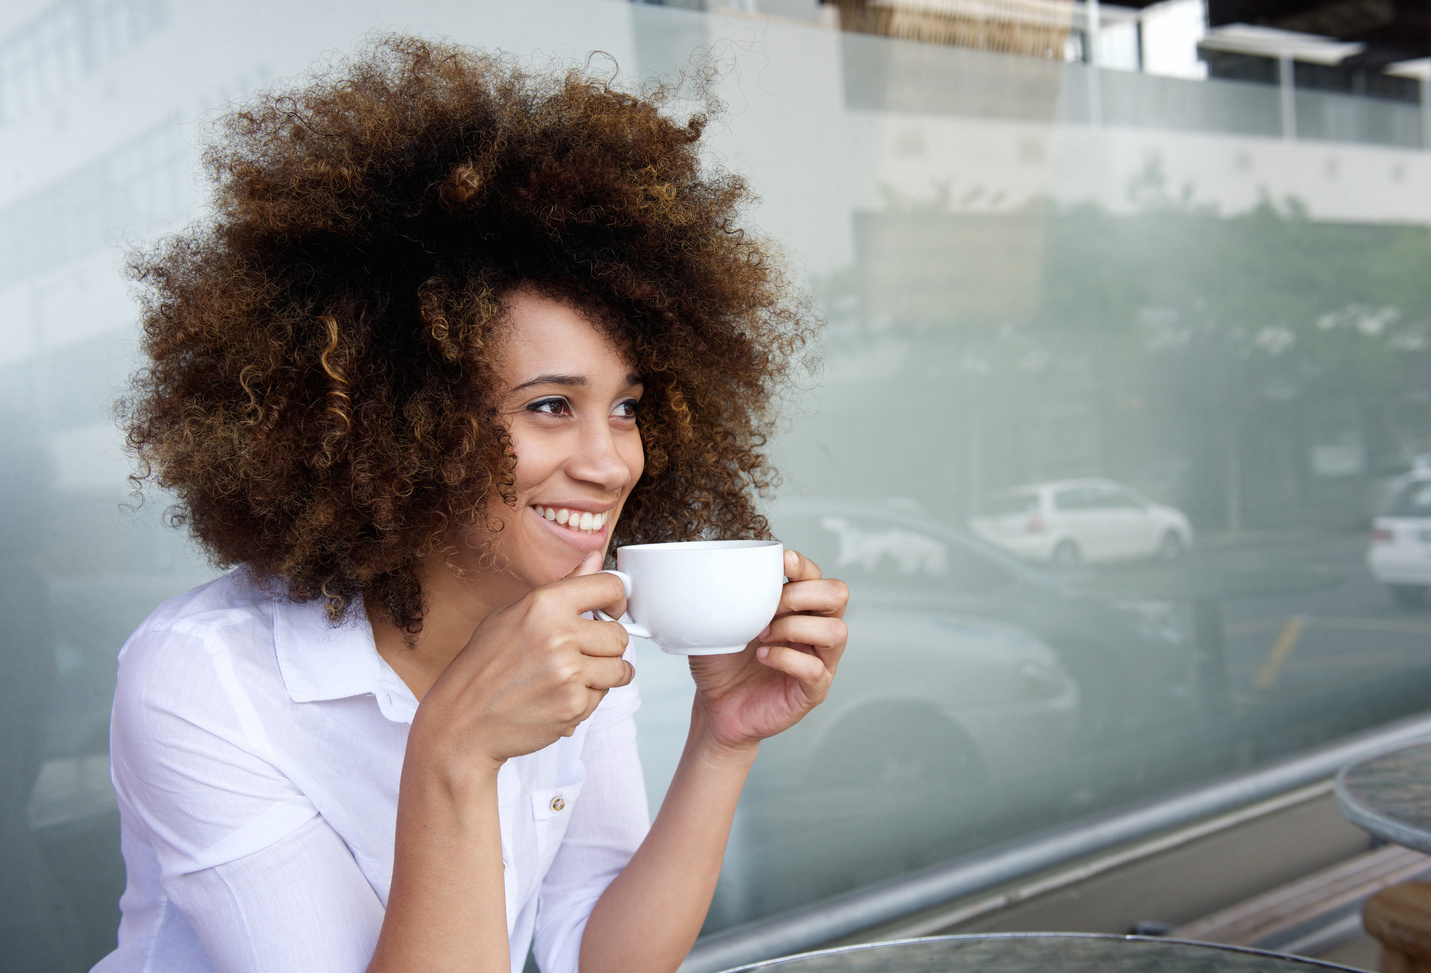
[{"x": 593, "y": 541}]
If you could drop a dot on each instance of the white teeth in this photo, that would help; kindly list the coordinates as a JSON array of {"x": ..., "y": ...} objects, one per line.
[{"x": 575, "y": 519}]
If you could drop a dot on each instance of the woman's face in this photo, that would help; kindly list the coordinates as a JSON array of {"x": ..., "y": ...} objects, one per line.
[{"x": 569, "y": 399}]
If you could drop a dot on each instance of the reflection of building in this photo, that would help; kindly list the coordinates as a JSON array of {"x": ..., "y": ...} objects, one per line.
[
  {"x": 974, "y": 219},
  {"x": 1033, "y": 27}
]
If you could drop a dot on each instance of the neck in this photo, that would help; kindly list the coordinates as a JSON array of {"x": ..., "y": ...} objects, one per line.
[{"x": 453, "y": 606}]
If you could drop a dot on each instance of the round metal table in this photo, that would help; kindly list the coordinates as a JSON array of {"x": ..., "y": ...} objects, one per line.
[
  {"x": 1389, "y": 794},
  {"x": 1041, "y": 953}
]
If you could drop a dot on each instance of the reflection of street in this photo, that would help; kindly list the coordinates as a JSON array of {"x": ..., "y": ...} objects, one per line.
[
  {"x": 1296, "y": 613},
  {"x": 1308, "y": 647},
  {"x": 1288, "y": 645}
]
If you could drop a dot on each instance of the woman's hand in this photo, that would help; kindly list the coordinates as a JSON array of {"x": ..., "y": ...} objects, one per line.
[
  {"x": 785, "y": 672},
  {"x": 530, "y": 673}
]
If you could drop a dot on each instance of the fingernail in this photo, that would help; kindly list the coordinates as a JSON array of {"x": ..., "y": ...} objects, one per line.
[
  {"x": 763, "y": 653},
  {"x": 764, "y": 633}
]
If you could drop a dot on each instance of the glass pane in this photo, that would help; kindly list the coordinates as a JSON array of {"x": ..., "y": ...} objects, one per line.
[
  {"x": 1032, "y": 273},
  {"x": 1414, "y": 501},
  {"x": 1007, "y": 504}
]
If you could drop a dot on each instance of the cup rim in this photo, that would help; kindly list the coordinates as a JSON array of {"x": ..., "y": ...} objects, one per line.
[{"x": 737, "y": 545}]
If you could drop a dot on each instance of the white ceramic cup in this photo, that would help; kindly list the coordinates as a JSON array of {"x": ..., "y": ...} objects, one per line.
[{"x": 700, "y": 597}]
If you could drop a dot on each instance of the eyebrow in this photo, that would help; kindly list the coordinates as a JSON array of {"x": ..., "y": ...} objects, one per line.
[{"x": 577, "y": 381}]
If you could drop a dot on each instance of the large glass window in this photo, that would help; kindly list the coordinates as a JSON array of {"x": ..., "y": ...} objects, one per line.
[{"x": 1121, "y": 364}]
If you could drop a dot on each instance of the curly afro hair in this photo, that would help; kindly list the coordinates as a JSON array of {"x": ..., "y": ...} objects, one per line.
[{"x": 319, "y": 395}]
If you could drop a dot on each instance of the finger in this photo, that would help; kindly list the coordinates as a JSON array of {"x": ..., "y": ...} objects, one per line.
[
  {"x": 603, "y": 640},
  {"x": 816, "y": 631},
  {"x": 593, "y": 700},
  {"x": 804, "y": 667},
  {"x": 827, "y": 596},
  {"x": 589, "y": 565},
  {"x": 798, "y": 567},
  {"x": 581, "y": 593},
  {"x": 608, "y": 673}
]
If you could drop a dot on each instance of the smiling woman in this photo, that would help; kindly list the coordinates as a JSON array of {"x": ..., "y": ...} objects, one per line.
[{"x": 455, "y": 331}]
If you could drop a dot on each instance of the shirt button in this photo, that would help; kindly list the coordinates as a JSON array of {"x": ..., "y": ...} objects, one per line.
[{"x": 558, "y": 803}]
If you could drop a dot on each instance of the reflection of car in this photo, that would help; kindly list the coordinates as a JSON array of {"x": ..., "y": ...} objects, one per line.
[
  {"x": 1068, "y": 521},
  {"x": 932, "y": 699},
  {"x": 1400, "y": 554},
  {"x": 965, "y": 667},
  {"x": 1125, "y": 660},
  {"x": 928, "y": 699}
]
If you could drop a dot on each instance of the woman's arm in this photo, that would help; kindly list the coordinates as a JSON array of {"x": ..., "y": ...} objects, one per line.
[
  {"x": 529, "y": 675},
  {"x": 447, "y": 905},
  {"x": 649, "y": 916}
]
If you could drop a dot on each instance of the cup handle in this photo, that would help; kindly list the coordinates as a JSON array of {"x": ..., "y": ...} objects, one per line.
[{"x": 631, "y": 627}]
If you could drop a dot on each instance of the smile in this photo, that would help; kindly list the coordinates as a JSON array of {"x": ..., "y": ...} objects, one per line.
[{"x": 582, "y": 520}]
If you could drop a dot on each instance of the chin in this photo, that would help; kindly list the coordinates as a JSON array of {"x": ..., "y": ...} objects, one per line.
[{"x": 555, "y": 566}]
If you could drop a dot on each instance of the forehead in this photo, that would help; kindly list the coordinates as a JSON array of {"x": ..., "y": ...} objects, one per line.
[{"x": 547, "y": 335}]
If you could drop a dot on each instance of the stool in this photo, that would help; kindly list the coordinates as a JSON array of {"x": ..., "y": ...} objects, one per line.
[{"x": 1399, "y": 917}]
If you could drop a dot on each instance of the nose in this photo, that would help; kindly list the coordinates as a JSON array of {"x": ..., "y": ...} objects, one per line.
[{"x": 599, "y": 458}]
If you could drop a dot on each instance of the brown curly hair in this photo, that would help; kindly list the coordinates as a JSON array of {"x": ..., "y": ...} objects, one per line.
[{"x": 320, "y": 394}]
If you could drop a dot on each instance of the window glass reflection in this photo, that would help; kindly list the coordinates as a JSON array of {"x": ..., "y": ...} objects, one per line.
[{"x": 1121, "y": 438}]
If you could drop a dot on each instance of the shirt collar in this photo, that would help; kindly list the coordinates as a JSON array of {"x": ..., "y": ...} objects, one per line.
[{"x": 321, "y": 661}]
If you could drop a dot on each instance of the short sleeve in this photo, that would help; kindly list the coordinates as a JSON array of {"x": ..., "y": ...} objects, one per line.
[
  {"x": 608, "y": 824},
  {"x": 190, "y": 756}
]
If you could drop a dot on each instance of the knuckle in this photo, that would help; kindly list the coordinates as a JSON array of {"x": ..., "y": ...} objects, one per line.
[
  {"x": 536, "y": 608},
  {"x": 573, "y": 706},
  {"x": 546, "y": 600}
]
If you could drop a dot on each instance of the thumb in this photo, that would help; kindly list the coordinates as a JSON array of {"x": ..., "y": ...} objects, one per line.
[{"x": 589, "y": 565}]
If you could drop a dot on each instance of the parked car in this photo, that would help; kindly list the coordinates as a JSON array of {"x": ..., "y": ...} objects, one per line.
[
  {"x": 1126, "y": 660},
  {"x": 974, "y": 688},
  {"x": 1070, "y": 521},
  {"x": 1400, "y": 555},
  {"x": 954, "y": 640},
  {"x": 928, "y": 700}
]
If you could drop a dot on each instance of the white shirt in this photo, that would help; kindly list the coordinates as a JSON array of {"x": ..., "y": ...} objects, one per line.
[{"x": 256, "y": 751}]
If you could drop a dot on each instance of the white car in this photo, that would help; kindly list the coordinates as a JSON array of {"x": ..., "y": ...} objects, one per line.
[
  {"x": 1084, "y": 520},
  {"x": 1400, "y": 554},
  {"x": 929, "y": 699}
]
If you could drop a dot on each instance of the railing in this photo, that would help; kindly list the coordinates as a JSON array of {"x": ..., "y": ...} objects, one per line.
[{"x": 843, "y": 915}]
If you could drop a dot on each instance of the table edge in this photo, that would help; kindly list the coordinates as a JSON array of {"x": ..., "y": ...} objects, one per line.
[
  {"x": 1307, "y": 961},
  {"x": 1374, "y": 821}
]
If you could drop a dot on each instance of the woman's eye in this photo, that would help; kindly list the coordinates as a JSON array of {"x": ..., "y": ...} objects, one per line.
[
  {"x": 549, "y": 407},
  {"x": 626, "y": 410}
]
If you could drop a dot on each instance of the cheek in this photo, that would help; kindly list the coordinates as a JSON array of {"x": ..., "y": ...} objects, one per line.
[
  {"x": 536, "y": 461},
  {"x": 635, "y": 456}
]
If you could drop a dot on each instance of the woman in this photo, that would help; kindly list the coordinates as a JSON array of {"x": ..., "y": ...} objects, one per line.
[{"x": 456, "y": 332}]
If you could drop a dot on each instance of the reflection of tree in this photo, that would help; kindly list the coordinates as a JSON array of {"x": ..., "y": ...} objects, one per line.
[
  {"x": 1271, "y": 331},
  {"x": 1245, "y": 367}
]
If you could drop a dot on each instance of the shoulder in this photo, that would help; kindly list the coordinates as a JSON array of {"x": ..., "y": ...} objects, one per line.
[
  {"x": 208, "y": 611},
  {"x": 196, "y": 651}
]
